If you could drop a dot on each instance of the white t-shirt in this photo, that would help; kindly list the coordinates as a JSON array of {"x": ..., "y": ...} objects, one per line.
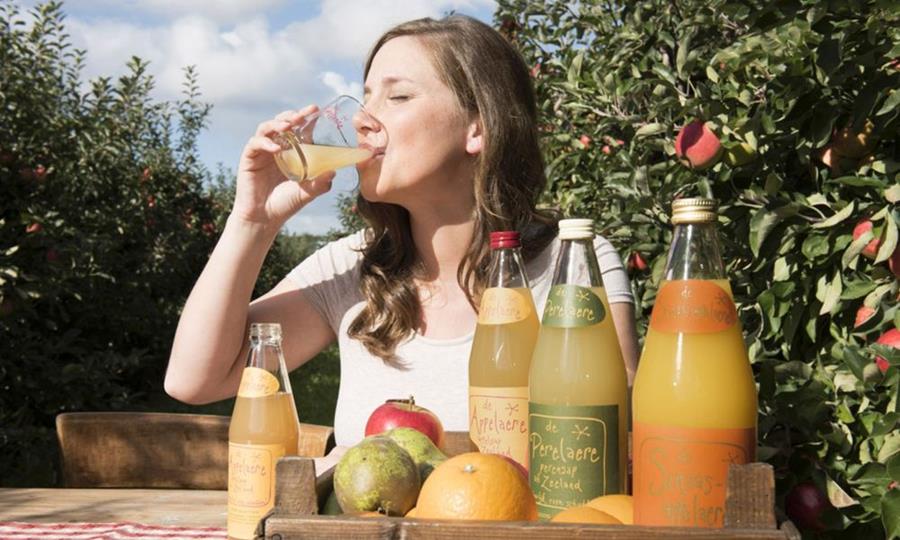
[{"x": 435, "y": 370}]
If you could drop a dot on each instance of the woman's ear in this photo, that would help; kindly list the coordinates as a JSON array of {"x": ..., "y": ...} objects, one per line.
[{"x": 474, "y": 142}]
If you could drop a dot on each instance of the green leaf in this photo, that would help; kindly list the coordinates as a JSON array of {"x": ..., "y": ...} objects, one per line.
[
  {"x": 893, "y": 467},
  {"x": 684, "y": 47},
  {"x": 892, "y": 194},
  {"x": 574, "y": 73},
  {"x": 890, "y": 240},
  {"x": 711, "y": 74},
  {"x": 650, "y": 129},
  {"x": 763, "y": 221},
  {"x": 890, "y": 513},
  {"x": 855, "y": 248},
  {"x": 831, "y": 295},
  {"x": 838, "y": 217},
  {"x": 890, "y": 103}
]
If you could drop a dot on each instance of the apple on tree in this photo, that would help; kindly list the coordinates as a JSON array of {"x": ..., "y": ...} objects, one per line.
[
  {"x": 405, "y": 413},
  {"x": 697, "y": 145},
  {"x": 891, "y": 338}
]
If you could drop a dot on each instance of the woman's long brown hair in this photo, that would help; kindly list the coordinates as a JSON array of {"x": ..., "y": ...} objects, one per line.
[{"x": 491, "y": 82}]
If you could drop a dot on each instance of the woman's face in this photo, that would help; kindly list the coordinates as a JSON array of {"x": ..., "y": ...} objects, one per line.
[{"x": 426, "y": 157}]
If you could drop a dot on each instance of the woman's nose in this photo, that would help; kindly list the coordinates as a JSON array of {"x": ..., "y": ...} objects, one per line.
[{"x": 369, "y": 127}]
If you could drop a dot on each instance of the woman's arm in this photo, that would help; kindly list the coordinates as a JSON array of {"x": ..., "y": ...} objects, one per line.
[
  {"x": 626, "y": 331},
  {"x": 211, "y": 340}
]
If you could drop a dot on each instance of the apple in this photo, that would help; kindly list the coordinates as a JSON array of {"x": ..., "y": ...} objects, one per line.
[
  {"x": 33, "y": 228},
  {"x": 606, "y": 149},
  {"x": 871, "y": 249},
  {"x": 831, "y": 160},
  {"x": 636, "y": 262},
  {"x": 890, "y": 338},
  {"x": 805, "y": 504},
  {"x": 697, "y": 145},
  {"x": 405, "y": 413},
  {"x": 863, "y": 314},
  {"x": 585, "y": 141},
  {"x": 894, "y": 263},
  {"x": 849, "y": 143},
  {"x": 535, "y": 71}
]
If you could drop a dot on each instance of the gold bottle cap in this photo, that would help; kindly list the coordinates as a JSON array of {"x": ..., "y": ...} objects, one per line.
[
  {"x": 694, "y": 210},
  {"x": 576, "y": 229},
  {"x": 265, "y": 331}
]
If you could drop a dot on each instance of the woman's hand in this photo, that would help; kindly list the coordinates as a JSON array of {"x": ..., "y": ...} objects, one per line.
[{"x": 263, "y": 196}]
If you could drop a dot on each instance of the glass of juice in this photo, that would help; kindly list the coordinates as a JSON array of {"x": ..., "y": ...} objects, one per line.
[{"x": 341, "y": 133}]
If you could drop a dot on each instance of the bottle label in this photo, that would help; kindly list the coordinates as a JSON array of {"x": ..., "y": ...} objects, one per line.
[
  {"x": 498, "y": 421},
  {"x": 693, "y": 306},
  {"x": 680, "y": 474},
  {"x": 501, "y": 305},
  {"x": 257, "y": 382},
  {"x": 251, "y": 485},
  {"x": 572, "y": 306},
  {"x": 574, "y": 454}
]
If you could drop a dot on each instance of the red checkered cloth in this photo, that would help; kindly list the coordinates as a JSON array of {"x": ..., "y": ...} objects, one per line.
[{"x": 15, "y": 530}]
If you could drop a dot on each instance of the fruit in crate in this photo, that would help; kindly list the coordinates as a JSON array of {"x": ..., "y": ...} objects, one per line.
[
  {"x": 620, "y": 507},
  {"x": 424, "y": 453},
  {"x": 584, "y": 514},
  {"x": 376, "y": 475},
  {"x": 476, "y": 486},
  {"x": 405, "y": 413}
]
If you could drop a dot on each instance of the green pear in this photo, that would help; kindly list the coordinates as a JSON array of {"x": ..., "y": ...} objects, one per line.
[
  {"x": 377, "y": 475},
  {"x": 424, "y": 453}
]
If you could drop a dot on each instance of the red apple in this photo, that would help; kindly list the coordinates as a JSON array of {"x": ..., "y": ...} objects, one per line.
[
  {"x": 890, "y": 338},
  {"x": 871, "y": 249},
  {"x": 863, "y": 314},
  {"x": 585, "y": 141},
  {"x": 805, "y": 504},
  {"x": 405, "y": 413},
  {"x": 636, "y": 262},
  {"x": 33, "y": 228},
  {"x": 606, "y": 149},
  {"x": 697, "y": 145},
  {"x": 894, "y": 262}
]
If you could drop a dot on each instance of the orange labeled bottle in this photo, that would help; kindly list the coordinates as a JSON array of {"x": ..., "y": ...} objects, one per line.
[
  {"x": 264, "y": 427},
  {"x": 501, "y": 355},
  {"x": 577, "y": 407},
  {"x": 694, "y": 393}
]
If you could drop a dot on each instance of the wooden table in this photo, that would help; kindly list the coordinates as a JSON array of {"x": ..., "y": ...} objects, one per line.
[{"x": 172, "y": 507}]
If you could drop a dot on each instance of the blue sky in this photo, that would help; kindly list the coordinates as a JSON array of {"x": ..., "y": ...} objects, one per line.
[{"x": 255, "y": 58}]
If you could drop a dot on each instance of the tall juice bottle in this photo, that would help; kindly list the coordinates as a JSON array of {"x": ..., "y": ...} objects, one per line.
[
  {"x": 694, "y": 393},
  {"x": 577, "y": 409},
  {"x": 501, "y": 355},
  {"x": 264, "y": 427}
]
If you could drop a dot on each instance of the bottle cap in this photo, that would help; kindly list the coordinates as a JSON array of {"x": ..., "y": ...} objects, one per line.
[
  {"x": 504, "y": 239},
  {"x": 265, "y": 331},
  {"x": 694, "y": 210},
  {"x": 576, "y": 229}
]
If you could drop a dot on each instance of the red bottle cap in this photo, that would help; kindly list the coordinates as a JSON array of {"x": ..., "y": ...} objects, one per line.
[{"x": 504, "y": 239}]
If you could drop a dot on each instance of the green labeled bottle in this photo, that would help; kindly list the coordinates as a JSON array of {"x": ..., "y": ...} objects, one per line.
[{"x": 577, "y": 409}]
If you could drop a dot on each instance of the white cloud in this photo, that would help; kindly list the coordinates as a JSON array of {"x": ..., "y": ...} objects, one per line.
[{"x": 339, "y": 85}]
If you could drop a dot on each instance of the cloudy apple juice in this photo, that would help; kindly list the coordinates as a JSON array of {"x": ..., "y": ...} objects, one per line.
[{"x": 500, "y": 359}]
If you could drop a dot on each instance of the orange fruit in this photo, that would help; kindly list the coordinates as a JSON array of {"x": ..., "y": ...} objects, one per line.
[
  {"x": 584, "y": 514},
  {"x": 476, "y": 486},
  {"x": 620, "y": 507}
]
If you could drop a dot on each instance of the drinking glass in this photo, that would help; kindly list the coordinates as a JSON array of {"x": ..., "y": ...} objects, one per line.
[{"x": 340, "y": 134}]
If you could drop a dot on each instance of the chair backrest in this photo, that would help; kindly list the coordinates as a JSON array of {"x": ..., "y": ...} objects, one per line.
[{"x": 155, "y": 450}]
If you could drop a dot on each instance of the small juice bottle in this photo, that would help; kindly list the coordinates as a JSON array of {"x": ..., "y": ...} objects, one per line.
[
  {"x": 501, "y": 355},
  {"x": 694, "y": 393},
  {"x": 264, "y": 427},
  {"x": 577, "y": 409}
]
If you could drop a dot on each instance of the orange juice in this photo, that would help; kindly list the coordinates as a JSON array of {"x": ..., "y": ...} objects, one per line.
[
  {"x": 501, "y": 355},
  {"x": 264, "y": 428},
  {"x": 694, "y": 392}
]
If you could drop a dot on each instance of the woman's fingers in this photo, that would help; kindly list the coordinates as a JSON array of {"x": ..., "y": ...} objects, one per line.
[{"x": 260, "y": 145}]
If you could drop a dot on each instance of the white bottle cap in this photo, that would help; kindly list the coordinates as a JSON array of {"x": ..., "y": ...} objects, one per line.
[{"x": 576, "y": 229}]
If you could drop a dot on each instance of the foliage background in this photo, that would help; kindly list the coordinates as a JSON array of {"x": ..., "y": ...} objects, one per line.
[
  {"x": 616, "y": 81},
  {"x": 106, "y": 219}
]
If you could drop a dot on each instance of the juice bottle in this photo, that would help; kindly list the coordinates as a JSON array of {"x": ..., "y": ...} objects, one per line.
[
  {"x": 577, "y": 409},
  {"x": 694, "y": 393},
  {"x": 264, "y": 427},
  {"x": 501, "y": 355}
]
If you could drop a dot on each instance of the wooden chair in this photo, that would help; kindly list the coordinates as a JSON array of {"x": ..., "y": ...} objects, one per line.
[{"x": 156, "y": 450}]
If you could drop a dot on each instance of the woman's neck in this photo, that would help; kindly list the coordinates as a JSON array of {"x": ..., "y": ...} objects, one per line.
[{"x": 442, "y": 239}]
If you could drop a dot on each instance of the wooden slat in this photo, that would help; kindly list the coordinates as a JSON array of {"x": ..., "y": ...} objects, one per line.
[
  {"x": 750, "y": 497},
  {"x": 315, "y": 440},
  {"x": 458, "y": 442},
  {"x": 143, "y": 450}
]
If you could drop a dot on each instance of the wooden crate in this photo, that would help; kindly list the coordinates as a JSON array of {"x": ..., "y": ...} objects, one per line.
[{"x": 749, "y": 513}]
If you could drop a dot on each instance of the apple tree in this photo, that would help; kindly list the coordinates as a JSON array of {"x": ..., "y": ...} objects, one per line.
[{"x": 787, "y": 113}]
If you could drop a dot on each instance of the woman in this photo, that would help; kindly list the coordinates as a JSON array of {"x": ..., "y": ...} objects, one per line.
[{"x": 401, "y": 297}]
